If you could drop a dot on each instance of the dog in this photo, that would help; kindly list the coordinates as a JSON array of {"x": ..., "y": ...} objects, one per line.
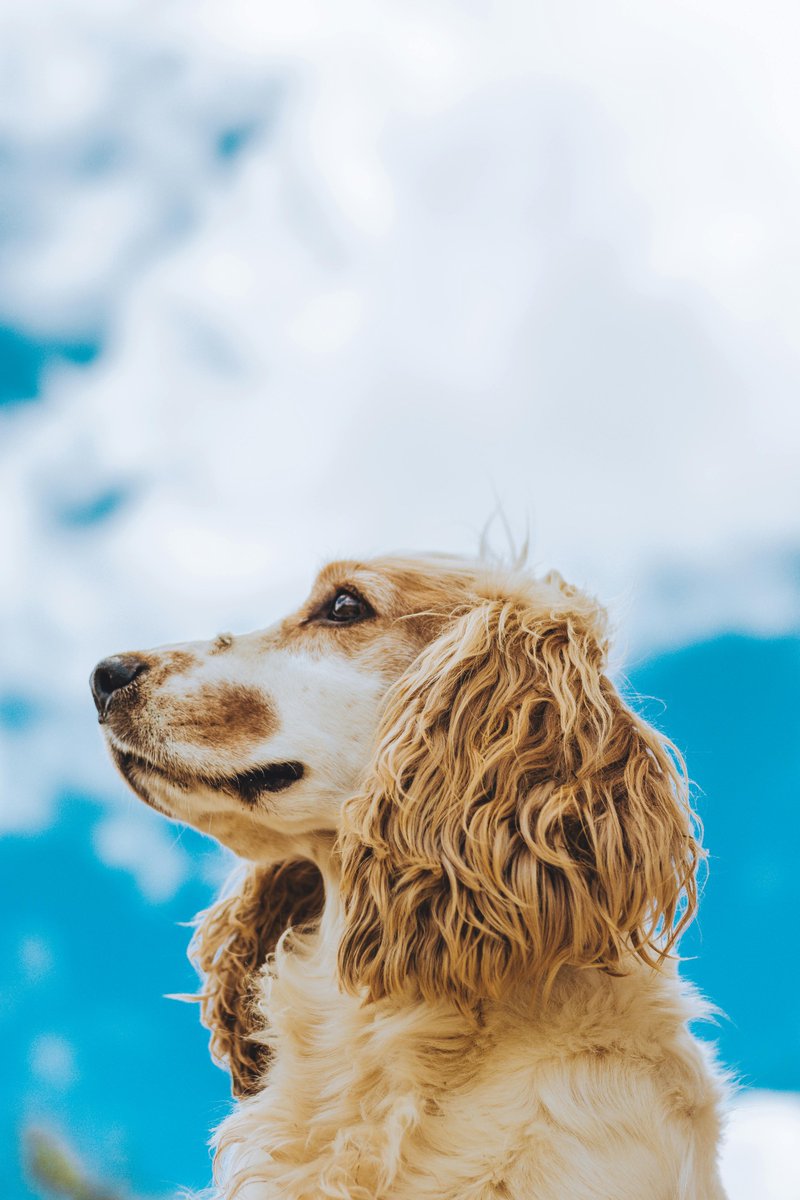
[{"x": 446, "y": 967}]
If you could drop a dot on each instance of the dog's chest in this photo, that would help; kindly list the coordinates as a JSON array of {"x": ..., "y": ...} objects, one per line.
[
  {"x": 411, "y": 1103},
  {"x": 380, "y": 1102}
]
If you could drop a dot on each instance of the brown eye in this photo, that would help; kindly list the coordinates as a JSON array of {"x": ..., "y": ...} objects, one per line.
[{"x": 346, "y": 608}]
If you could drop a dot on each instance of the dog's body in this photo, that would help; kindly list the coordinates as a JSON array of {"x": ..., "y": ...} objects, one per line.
[
  {"x": 444, "y": 973},
  {"x": 606, "y": 1096}
]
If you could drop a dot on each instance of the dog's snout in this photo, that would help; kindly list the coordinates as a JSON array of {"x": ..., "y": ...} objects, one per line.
[{"x": 112, "y": 674}]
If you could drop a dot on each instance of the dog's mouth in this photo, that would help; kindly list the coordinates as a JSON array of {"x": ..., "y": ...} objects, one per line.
[{"x": 247, "y": 786}]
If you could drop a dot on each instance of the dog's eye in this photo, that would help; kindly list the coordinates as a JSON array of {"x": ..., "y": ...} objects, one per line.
[{"x": 346, "y": 607}]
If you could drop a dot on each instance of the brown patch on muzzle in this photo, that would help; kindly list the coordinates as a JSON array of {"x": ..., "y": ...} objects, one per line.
[{"x": 226, "y": 716}]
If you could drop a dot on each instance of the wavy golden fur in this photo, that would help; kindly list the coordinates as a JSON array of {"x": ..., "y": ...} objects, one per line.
[
  {"x": 517, "y": 818},
  {"x": 232, "y": 942}
]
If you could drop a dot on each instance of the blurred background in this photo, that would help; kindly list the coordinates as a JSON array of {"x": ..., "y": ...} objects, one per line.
[{"x": 280, "y": 282}]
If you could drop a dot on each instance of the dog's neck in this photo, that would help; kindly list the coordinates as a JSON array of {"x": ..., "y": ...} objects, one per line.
[{"x": 319, "y": 848}]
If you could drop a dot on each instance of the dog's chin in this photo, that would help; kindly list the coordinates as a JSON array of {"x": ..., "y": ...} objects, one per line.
[
  {"x": 144, "y": 780},
  {"x": 152, "y": 782},
  {"x": 240, "y": 811}
]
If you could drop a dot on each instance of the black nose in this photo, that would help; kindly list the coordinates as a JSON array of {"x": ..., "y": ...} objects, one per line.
[{"x": 112, "y": 674}]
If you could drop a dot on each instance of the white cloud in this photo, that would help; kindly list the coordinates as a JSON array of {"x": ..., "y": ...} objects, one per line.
[
  {"x": 148, "y": 848},
  {"x": 760, "y": 1158}
]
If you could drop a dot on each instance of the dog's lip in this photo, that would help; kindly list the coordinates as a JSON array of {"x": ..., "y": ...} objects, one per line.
[{"x": 246, "y": 785}]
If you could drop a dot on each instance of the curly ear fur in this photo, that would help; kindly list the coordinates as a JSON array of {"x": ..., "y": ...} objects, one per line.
[
  {"x": 518, "y": 817},
  {"x": 232, "y": 942}
]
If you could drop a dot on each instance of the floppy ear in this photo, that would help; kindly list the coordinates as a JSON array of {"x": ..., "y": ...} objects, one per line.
[
  {"x": 232, "y": 942},
  {"x": 518, "y": 816}
]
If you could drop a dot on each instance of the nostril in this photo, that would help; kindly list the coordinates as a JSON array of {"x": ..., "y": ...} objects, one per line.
[{"x": 112, "y": 674}]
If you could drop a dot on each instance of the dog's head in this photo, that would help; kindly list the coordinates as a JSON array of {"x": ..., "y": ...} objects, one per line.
[
  {"x": 257, "y": 739},
  {"x": 500, "y": 812}
]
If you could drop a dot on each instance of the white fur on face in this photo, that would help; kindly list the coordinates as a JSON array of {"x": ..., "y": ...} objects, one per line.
[
  {"x": 322, "y": 710},
  {"x": 327, "y": 712}
]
